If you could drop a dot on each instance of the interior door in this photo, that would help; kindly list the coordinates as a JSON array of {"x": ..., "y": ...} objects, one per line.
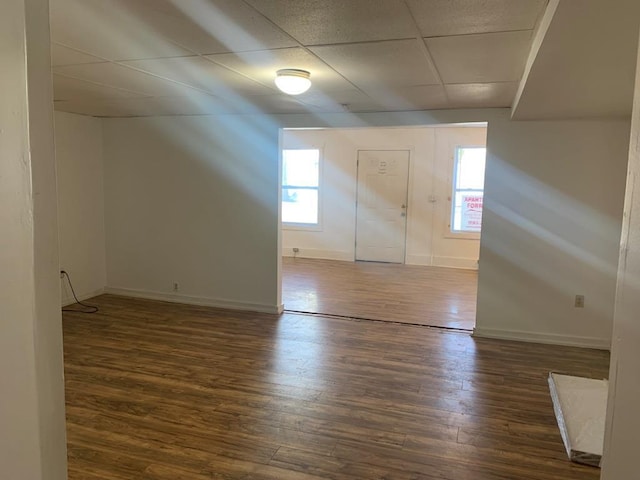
[{"x": 381, "y": 213}]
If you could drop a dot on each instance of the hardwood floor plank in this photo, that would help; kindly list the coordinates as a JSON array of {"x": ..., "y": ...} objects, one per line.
[
  {"x": 158, "y": 390},
  {"x": 413, "y": 294}
]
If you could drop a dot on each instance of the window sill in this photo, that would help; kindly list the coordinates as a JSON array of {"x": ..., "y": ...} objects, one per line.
[
  {"x": 462, "y": 236},
  {"x": 302, "y": 227}
]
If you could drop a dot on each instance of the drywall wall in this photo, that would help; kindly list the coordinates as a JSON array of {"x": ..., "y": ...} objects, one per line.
[
  {"x": 551, "y": 230},
  {"x": 193, "y": 201},
  {"x": 80, "y": 175},
  {"x": 428, "y": 240},
  {"x": 622, "y": 432},
  {"x": 32, "y": 419}
]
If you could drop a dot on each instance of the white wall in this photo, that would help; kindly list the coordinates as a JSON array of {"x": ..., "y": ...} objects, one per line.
[
  {"x": 32, "y": 419},
  {"x": 551, "y": 230},
  {"x": 428, "y": 241},
  {"x": 451, "y": 250},
  {"x": 79, "y": 170},
  {"x": 622, "y": 434},
  {"x": 193, "y": 201}
]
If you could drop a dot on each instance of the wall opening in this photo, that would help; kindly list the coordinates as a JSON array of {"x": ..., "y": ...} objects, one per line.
[{"x": 396, "y": 228}]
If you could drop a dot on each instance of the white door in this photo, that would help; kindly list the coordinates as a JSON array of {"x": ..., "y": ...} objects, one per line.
[{"x": 382, "y": 205}]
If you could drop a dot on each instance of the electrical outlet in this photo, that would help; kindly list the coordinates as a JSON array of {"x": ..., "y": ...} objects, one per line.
[
  {"x": 579, "y": 303},
  {"x": 176, "y": 287},
  {"x": 296, "y": 250}
]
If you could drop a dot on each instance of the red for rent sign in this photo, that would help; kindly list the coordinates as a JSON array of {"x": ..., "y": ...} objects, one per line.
[{"x": 471, "y": 212}]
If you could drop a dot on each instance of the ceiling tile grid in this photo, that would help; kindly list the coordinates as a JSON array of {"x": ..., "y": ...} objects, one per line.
[
  {"x": 444, "y": 18},
  {"x": 379, "y": 64},
  {"x": 319, "y": 22},
  {"x": 262, "y": 65},
  {"x": 478, "y": 58},
  {"x": 73, "y": 89},
  {"x": 363, "y": 55},
  {"x": 62, "y": 55},
  {"x": 198, "y": 72}
]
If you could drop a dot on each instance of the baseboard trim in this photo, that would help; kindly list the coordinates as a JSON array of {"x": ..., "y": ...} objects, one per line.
[
  {"x": 456, "y": 262},
  {"x": 193, "y": 300},
  {"x": 425, "y": 260},
  {"x": 320, "y": 254},
  {"x": 69, "y": 300},
  {"x": 548, "y": 338}
]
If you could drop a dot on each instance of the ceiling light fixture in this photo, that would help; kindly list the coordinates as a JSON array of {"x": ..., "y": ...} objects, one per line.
[{"x": 293, "y": 81}]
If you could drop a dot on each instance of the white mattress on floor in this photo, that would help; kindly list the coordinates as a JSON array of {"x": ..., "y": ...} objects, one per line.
[{"x": 580, "y": 405}]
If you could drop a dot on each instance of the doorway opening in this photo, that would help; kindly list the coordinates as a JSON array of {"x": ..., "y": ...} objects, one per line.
[{"x": 391, "y": 224}]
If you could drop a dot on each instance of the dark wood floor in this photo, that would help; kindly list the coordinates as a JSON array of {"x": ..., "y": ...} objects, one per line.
[
  {"x": 166, "y": 391},
  {"x": 443, "y": 297}
]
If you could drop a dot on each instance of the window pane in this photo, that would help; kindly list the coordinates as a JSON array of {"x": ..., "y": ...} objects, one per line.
[
  {"x": 471, "y": 162},
  {"x": 468, "y": 192},
  {"x": 299, "y": 206},
  {"x": 467, "y": 211},
  {"x": 300, "y": 168}
]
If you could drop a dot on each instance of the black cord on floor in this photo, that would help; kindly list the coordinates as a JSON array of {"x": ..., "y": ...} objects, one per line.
[{"x": 88, "y": 308}]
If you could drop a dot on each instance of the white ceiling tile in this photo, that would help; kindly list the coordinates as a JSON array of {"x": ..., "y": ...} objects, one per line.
[
  {"x": 424, "y": 97},
  {"x": 201, "y": 73},
  {"x": 458, "y": 17},
  {"x": 263, "y": 65},
  {"x": 276, "y": 103},
  {"x": 211, "y": 26},
  {"x": 483, "y": 58},
  {"x": 148, "y": 106},
  {"x": 120, "y": 76},
  {"x": 314, "y": 22},
  {"x": 61, "y": 55},
  {"x": 482, "y": 95},
  {"x": 92, "y": 109},
  {"x": 391, "y": 99},
  {"x": 380, "y": 64},
  {"x": 182, "y": 105},
  {"x": 108, "y": 29},
  {"x": 335, "y": 101},
  {"x": 65, "y": 88}
]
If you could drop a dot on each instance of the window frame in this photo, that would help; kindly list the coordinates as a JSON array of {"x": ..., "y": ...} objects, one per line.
[
  {"x": 313, "y": 227},
  {"x": 451, "y": 233}
]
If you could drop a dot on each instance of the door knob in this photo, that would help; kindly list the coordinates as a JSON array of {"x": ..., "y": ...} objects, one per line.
[{"x": 403, "y": 206}]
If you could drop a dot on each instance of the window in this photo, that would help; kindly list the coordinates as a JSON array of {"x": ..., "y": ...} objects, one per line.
[
  {"x": 300, "y": 184},
  {"x": 468, "y": 189}
]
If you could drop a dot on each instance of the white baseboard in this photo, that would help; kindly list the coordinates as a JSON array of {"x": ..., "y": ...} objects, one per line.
[
  {"x": 549, "y": 338},
  {"x": 425, "y": 260},
  {"x": 456, "y": 262},
  {"x": 319, "y": 253},
  {"x": 192, "y": 300},
  {"x": 69, "y": 300}
]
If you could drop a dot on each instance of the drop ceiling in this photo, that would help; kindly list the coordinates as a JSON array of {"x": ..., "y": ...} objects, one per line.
[{"x": 114, "y": 58}]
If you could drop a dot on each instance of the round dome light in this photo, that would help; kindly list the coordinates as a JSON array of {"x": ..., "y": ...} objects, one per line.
[{"x": 293, "y": 81}]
